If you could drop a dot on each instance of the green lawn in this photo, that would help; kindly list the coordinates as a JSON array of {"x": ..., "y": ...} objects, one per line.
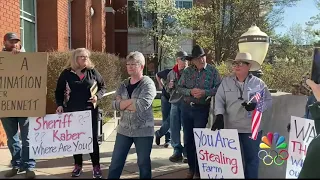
[
  {"x": 156, "y": 110},
  {"x": 156, "y": 105}
]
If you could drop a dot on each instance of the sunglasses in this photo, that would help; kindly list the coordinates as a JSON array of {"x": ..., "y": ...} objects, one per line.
[{"x": 239, "y": 63}]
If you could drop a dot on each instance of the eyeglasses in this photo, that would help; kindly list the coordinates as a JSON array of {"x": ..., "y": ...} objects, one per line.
[
  {"x": 132, "y": 64},
  {"x": 239, "y": 63},
  {"x": 83, "y": 57}
]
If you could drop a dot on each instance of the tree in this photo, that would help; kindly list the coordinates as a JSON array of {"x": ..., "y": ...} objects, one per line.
[
  {"x": 165, "y": 28},
  {"x": 221, "y": 22},
  {"x": 300, "y": 35},
  {"x": 283, "y": 47},
  {"x": 314, "y": 21}
]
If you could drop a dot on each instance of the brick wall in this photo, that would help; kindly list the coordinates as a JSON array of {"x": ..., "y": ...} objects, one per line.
[
  {"x": 52, "y": 19},
  {"x": 98, "y": 26},
  {"x": 79, "y": 26},
  {"x": 121, "y": 28},
  {"x": 10, "y": 22},
  {"x": 62, "y": 17},
  {"x": 9, "y": 17}
]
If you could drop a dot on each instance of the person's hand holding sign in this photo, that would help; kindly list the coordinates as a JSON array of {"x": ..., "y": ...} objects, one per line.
[
  {"x": 93, "y": 99},
  {"x": 59, "y": 110},
  {"x": 15, "y": 51}
]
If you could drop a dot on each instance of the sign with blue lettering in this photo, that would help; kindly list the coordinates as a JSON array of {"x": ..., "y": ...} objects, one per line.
[
  {"x": 219, "y": 153},
  {"x": 301, "y": 134}
]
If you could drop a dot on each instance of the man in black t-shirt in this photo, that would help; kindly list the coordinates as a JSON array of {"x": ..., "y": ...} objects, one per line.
[{"x": 165, "y": 108}]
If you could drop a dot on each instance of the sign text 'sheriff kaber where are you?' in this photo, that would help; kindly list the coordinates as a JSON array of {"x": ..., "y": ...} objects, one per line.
[{"x": 23, "y": 83}]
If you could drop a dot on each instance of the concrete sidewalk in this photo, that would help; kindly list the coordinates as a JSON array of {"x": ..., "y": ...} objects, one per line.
[{"x": 61, "y": 167}]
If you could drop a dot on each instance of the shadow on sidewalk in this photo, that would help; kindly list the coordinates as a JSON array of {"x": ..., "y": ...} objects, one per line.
[
  {"x": 68, "y": 161},
  {"x": 131, "y": 170}
]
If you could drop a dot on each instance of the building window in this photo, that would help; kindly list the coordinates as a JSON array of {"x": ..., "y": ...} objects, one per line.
[
  {"x": 138, "y": 19},
  {"x": 184, "y": 4},
  {"x": 28, "y": 25}
]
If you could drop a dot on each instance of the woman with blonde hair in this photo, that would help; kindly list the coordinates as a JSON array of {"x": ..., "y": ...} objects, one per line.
[{"x": 79, "y": 76}]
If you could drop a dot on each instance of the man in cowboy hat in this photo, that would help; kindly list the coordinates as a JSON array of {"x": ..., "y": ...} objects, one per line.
[
  {"x": 198, "y": 83},
  {"x": 234, "y": 105}
]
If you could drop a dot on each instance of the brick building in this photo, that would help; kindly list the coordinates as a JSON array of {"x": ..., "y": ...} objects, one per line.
[{"x": 60, "y": 25}]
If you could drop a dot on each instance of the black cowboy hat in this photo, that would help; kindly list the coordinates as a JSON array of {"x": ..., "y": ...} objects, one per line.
[{"x": 197, "y": 52}]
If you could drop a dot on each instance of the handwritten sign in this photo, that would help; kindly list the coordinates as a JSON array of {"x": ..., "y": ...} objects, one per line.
[
  {"x": 219, "y": 153},
  {"x": 301, "y": 134},
  {"x": 58, "y": 135},
  {"x": 23, "y": 83}
]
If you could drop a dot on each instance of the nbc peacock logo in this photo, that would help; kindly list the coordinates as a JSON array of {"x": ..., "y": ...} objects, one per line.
[{"x": 273, "y": 149}]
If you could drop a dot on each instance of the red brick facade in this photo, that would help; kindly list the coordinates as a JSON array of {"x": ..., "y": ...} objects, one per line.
[
  {"x": 53, "y": 34},
  {"x": 9, "y": 18},
  {"x": 52, "y": 19}
]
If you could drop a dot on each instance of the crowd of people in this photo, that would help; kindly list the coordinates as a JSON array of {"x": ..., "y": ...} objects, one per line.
[{"x": 187, "y": 90}]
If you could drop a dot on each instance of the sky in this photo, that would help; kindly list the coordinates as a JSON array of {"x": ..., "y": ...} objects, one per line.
[{"x": 300, "y": 13}]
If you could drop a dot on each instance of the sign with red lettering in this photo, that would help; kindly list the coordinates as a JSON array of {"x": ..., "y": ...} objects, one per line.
[
  {"x": 60, "y": 134},
  {"x": 301, "y": 134},
  {"x": 219, "y": 153}
]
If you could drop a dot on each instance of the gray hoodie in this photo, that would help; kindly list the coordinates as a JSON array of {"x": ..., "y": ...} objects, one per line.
[
  {"x": 227, "y": 102},
  {"x": 141, "y": 122},
  {"x": 175, "y": 96}
]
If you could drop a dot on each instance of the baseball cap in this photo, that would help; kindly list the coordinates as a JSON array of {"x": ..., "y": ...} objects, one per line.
[
  {"x": 182, "y": 55},
  {"x": 11, "y": 36}
]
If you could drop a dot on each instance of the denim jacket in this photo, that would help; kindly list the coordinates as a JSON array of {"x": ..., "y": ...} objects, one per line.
[{"x": 141, "y": 122}]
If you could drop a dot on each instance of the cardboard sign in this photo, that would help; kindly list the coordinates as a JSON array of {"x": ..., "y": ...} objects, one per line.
[
  {"x": 219, "y": 153},
  {"x": 57, "y": 135},
  {"x": 23, "y": 84},
  {"x": 301, "y": 134}
]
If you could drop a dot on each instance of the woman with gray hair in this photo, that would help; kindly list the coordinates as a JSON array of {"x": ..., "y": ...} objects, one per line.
[
  {"x": 79, "y": 76},
  {"x": 134, "y": 100}
]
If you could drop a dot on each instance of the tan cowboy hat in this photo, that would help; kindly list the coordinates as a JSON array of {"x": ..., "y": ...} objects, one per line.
[{"x": 246, "y": 57}]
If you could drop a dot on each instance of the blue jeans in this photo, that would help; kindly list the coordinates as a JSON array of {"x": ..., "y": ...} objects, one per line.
[
  {"x": 20, "y": 154},
  {"x": 250, "y": 150},
  {"x": 311, "y": 100},
  {"x": 164, "y": 129},
  {"x": 175, "y": 128},
  {"x": 193, "y": 117},
  {"x": 121, "y": 149}
]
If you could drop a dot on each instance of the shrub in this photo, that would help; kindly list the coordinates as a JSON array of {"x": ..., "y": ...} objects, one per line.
[
  {"x": 280, "y": 75},
  {"x": 108, "y": 66},
  {"x": 283, "y": 75}
]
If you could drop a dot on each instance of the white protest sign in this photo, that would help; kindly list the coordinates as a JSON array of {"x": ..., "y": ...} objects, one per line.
[
  {"x": 219, "y": 153},
  {"x": 301, "y": 134},
  {"x": 57, "y": 135}
]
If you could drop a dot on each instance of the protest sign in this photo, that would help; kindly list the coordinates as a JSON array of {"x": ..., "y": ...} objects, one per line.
[
  {"x": 58, "y": 135},
  {"x": 23, "y": 84},
  {"x": 219, "y": 153},
  {"x": 301, "y": 134}
]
